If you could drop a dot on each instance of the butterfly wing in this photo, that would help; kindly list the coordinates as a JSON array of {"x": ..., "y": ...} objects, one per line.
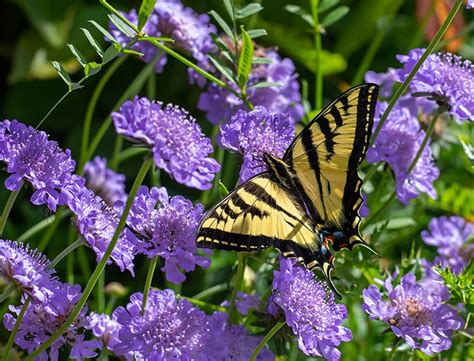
[{"x": 325, "y": 157}]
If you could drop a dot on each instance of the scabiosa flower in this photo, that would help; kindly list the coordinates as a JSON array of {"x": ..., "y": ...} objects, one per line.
[
  {"x": 385, "y": 80},
  {"x": 451, "y": 235},
  {"x": 397, "y": 144},
  {"x": 309, "y": 310},
  {"x": 28, "y": 269},
  {"x": 191, "y": 32},
  {"x": 414, "y": 312},
  {"x": 166, "y": 227},
  {"x": 105, "y": 328},
  {"x": 244, "y": 302},
  {"x": 97, "y": 222},
  {"x": 445, "y": 78},
  {"x": 470, "y": 4},
  {"x": 171, "y": 328},
  {"x": 220, "y": 105},
  {"x": 31, "y": 157},
  {"x": 178, "y": 144},
  {"x": 41, "y": 320},
  {"x": 105, "y": 183},
  {"x": 254, "y": 133}
]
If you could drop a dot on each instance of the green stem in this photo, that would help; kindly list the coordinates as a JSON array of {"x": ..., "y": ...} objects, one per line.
[
  {"x": 91, "y": 107},
  {"x": 100, "y": 293},
  {"x": 233, "y": 315},
  {"x": 265, "y": 340},
  {"x": 45, "y": 223},
  {"x": 60, "y": 214},
  {"x": 117, "y": 150},
  {"x": 53, "y": 108},
  {"x": 149, "y": 279},
  {"x": 402, "y": 88},
  {"x": 8, "y": 290},
  {"x": 318, "y": 94},
  {"x": 8, "y": 208},
  {"x": 211, "y": 291},
  {"x": 293, "y": 351},
  {"x": 100, "y": 267},
  {"x": 6, "y": 350},
  {"x": 130, "y": 153},
  {"x": 77, "y": 243},
  {"x": 393, "y": 349},
  {"x": 123, "y": 18},
  {"x": 372, "y": 170},
  {"x": 429, "y": 133},
  {"x": 151, "y": 87}
]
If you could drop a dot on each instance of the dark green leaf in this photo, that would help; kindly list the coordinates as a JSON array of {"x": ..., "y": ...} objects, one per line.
[
  {"x": 222, "y": 24},
  {"x": 303, "y": 14},
  {"x": 93, "y": 42},
  {"x": 110, "y": 53},
  {"x": 121, "y": 25},
  {"x": 245, "y": 59},
  {"x": 223, "y": 69},
  {"x": 144, "y": 12},
  {"x": 230, "y": 9},
  {"x": 77, "y": 54},
  {"x": 327, "y": 4},
  {"x": 248, "y": 10},
  {"x": 265, "y": 84},
  {"x": 258, "y": 60},
  {"x": 103, "y": 31},
  {"x": 92, "y": 68},
  {"x": 334, "y": 16},
  {"x": 256, "y": 33},
  {"x": 62, "y": 73}
]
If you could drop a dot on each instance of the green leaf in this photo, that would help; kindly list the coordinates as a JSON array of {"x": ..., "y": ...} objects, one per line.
[
  {"x": 256, "y": 33},
  {"x": 334, "y": 16},
  {"x": 258, "y": 60},
  {"x": 265, "y": 84},
  {"x": 245, "y": 59},
  {"x": 327, "y": 4},
  {"x": 110, "y": 53},
  {"x": 222, "y": 24},
  {"x": 103, "y": 31},
  {"x": 248, "y": 10},
  {"x": 303, "y": 14},
  {"x": 159, "y": 38},
  {"x": 62, "y": 73},
  {"x": 223, "y": 69},
  {"x": 95, "y": 44},
  {"x": 230, "y": 9},
  {"x": 121, "y": 25},
  {"x": 92, "y": 68},
  {"x": 144, "y": 12},
  {"x": 77, "y": 54},
  {"x": 132, "y": 52},
  {"x": 75, "y": 86},
  {"x": 223, "y": 191}
]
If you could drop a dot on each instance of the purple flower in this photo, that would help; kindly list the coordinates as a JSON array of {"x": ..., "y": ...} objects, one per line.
[
  {"x": 105, "y": 183},
  {"x": 28, "y": 269},
  {"x": 96, "y": 222},
  {"x": 414, "y": 312},
  {"x": 31, "y": 157},
  {"x": 191, "y": 32},
  {"x": 309, "y": 310},
  {"x": 445, "y": 78},
  {"x": 244, "y": 302},
  {"x": 220, "y": 105},
  {"x": 385, "y": 80},
  {"x": 470, "y": 4},
  {"x": 171, "y": 328},
  {"x": 105, "y": 328},
  {"x": 450, "y": 235},
  {"x": 254, "y": 133},
  {"x": 43, "y": 319},
  {"x": 166, "y": 227},
  {"x": 397, "y": 144},
  {"x": 178, "y": 144}
]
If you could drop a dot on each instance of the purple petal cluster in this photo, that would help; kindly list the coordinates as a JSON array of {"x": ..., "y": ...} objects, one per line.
[
  {"x": 166, "y": 227},
  {"x": 397, "y": 144},
  {"x": 191, "y": 32},
  {"x": 178, "y": 144},
  {"x": 309, "y": 310},
  {"x": 43, "y": 319},
  {"x": 451, "y": 235},
  {"x": 244, "y": 302},
  {"x": 470, "y": 4},
  {"x": 32, "y": 158},
  {"x": 105, "y": 328},
  {"x": 105, "y": 183},
  {"x": 285, "y": 97},
  {"x": 416, "y": 313},
  {"x": 28, "y": 269},
  {"x": 255, "y": 133},
  {"x": 96, "y": 223}
]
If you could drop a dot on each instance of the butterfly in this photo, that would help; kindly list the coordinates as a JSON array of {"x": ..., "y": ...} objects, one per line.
[{"x": 308, "y": 200}]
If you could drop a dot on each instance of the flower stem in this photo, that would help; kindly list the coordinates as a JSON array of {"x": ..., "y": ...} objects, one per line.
[
  {"x": 265, "y": 340},
  {"x": 100, "y": 293},
  {"x": 211, "y": 291},
  {"x": 233, "y": 315},
  {"x": 429, "y": 133},
  {"x": 100, "y": 267},
  {"x": 8, "y": 290},
  {"x": 53, "y": 108},
  {"x": 6, "y": 350},
  {"x": 8, "y": 208},
  {"x": 149, "y": 279},
  {"x": 318, "y": 91},
  {"x": 60, "y": 214},
  {"x": 45, "y": 223},
  {"x": 404, "y": 86},
  {"x": 77, "y": 243}
]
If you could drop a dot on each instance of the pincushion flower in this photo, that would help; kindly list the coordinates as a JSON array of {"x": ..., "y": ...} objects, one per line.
[
  {"x": 179, "y": 147},
  {"x": 105, "y": 183},
  {"x": 28, "y": 269},
  {"x": 397, "y": 144},
  {"x": 451, "y": 235},
  {"x": 470, "y": 4},
  {"x": 97, "y": 222},
  {"x": 32, "y": 158},
  {"x": 105, "y": 328},
  {"x": 171, "y": 328},
  {"x": 166, "y": 227},
  {"x": 284, "y": 97},
  {"x": 309, "y": 310},
  {"x": 414, "y": 312},
  {"x": 254, "y": 133},
  {"x": 41, "y": 320}
]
